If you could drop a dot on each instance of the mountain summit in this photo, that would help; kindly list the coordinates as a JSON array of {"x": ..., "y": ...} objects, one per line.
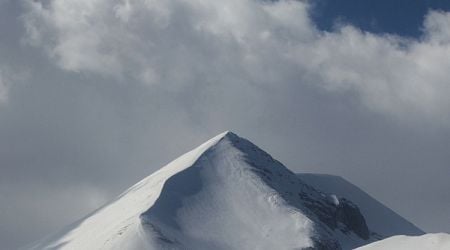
[{"x": 227, "y": 194}]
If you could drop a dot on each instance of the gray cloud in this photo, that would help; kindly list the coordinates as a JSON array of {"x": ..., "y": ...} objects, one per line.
[
  {"x": 4, "y": 84},
  {"x": 116, "y": 89}
]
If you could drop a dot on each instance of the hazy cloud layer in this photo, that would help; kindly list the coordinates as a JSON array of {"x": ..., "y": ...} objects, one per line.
[
  {"x": 4, "y": 84},
  {"x": 249, "y": 42},
  {"x": 113, "y": 90},
  {"x": 9, "y": 76}
]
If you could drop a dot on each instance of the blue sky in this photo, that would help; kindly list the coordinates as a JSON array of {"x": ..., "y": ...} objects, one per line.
[{"x": 401, "y": 17}]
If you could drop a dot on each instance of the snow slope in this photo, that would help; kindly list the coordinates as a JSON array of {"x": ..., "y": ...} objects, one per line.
[
  {"x": 117, "y": 225},
  {"x": 439, "y": 241},
  {"x": 379, "y": 218},
  {"x": 225, "y": 194}
]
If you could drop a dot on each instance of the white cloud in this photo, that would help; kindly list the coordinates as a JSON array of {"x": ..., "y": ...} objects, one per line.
[
  {"x": 436, "y": 27},
  {"x": 168, "y": 42},
  {"x": 185, "y": 43},
  {"x": 390, "y": 74}
]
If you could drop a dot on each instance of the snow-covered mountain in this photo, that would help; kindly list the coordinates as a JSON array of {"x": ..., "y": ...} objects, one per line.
[
  {"x": 229, "y": 194},
  {"x": 379, "y": 218},
  {"x": 438, "y": 241}
]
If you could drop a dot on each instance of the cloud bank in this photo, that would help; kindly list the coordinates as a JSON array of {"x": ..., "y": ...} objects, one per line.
[
  {"x": 180, "y": 43},
  {"x": 115, "y": 89}
]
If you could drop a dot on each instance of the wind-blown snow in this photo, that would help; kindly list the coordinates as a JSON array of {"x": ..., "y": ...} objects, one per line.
[
  {"x": 438, "y": 241},
  {"x": 225, "y": 194}
]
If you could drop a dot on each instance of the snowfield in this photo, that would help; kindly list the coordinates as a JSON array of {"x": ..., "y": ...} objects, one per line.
[
  {"x": 229, "y": 194},
  {"x": 439, "y": 241}
]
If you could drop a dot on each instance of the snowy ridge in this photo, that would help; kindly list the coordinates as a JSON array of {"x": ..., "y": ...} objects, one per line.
[
  {"x": 438, "y": 241},
  {"x": 225, "y": 194}
]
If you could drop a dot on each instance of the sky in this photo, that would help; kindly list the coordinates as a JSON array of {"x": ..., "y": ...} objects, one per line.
[{"x": 97, "y": 94}]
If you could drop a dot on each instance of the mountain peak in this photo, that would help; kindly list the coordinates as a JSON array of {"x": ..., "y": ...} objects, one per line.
[
  {"x": 226, "y": 136},
  {"x": 225, "y": 194}
]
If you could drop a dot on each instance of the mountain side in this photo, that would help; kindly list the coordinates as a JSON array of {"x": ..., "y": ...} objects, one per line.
[
  {"x": 235, "y": 185},
  {"x": 225, "y": 194},
  {"x": 117, "y": 225},
  {"x": 380, "y": 219}
]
